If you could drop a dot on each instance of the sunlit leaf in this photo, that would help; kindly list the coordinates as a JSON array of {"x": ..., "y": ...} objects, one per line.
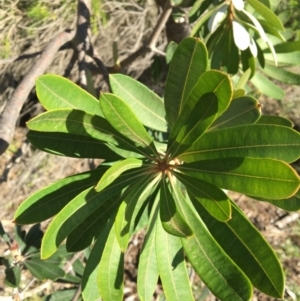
[
  {"x": 142, "y": 101},
  {"x": 191, "y": 59},
  {"x": 266, "y": 178}
]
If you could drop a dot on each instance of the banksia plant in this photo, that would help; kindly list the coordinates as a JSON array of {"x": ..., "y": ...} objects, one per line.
[{"x": 167, "y": 164}]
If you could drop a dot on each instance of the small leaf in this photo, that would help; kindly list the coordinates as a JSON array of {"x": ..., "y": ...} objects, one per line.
[
  {"x": 111, "y": 270},
  {"x": 170, "y": 217},
  {"x": 241, "y": 111},
  {"x": 172, "y": 46},
  {"x": 121, "y": 117},
  {"x": 292, "y": 58},
  {"x": 171, "y": 266},
  {"x": 191, "y": 59},
  {"x": 142, "y": 101},
  {"x": 213, "y": 199},
  {"x": 266, "y": 178},
  {"x": 48, "y": 201},
  {"x": 256, "y": 141},
  {"x": 56, "y": 92}
]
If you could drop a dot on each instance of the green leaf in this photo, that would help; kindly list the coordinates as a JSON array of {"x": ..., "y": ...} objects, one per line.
[
  {"x": 213, "y": 199},
  {"x": 121, "y": 117},
  {"x": 44, "y": 270},
  {"x": 266, "y": 178},
  {"x": 147, "y": 268},
  {"x": 129, "y": 208},
  {"x": 13, "y": 276},
  {"x": 56, "y": 92},
  {"x": 256, "y": 141},
  {"x": 243, "y": 81},
  {"x": 250, "y": 251},
  {"x": 188, "y": 63},
  {"x": 282, "y": 75},
  {"x": 172, "y": 46},
  {"x": 82, "y": 124},
  {"x": 171, "y": 266},
  {"x": 76, "y": 146},
  {"x": 276, "y": 120},
  {"x": 188, "y": 129},
  {"x": 76, "y": 211},
  {"x": 89, "y": 285},
  {"x": 62, "y": 295},
  {"x": 86, "y": 231},
  {"x": 48, "y": 201},
  {"x": 116, "y": 170},
  {"x": 290, "y": 204},
  {"x": 292, "y": 58},
  {"x": 287, "y": 47},
  {"x": 171, "y": 219},
  {"x": 266, "y": 13},
  {"x": 221, "y": 275},
  {"x": 266, "y": 86},
  {"x": 111, "y": 269},
  {"x": 142, "y": 101},
  {"x": 242, "y": 110}
]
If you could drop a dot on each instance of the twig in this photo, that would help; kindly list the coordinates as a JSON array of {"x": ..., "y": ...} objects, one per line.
[
  {"x": 82, "y": 38},
  {"x": 77, "y": 293},
  {"x": 11, "y": 112},
  {"x": 151, "y": 45}
]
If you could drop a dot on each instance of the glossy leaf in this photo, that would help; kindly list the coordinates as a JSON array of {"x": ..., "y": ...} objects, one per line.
[
  {"x": 276, "y": 120},
  {"x": 188, "y": 129},
  {"x": 171, "y": 266},
  {"x": 242, "y": 110},
  {"x": 142, "y": 101},
  {"x": 48, "y": 201},
  {"x": 87, "y": 230},
  {"x": 116, "y": 170},
  {"x": 212, "y": 198},
  {"x": 288, "y": 47},
  {"x": 82, "y": 124},
  {"x": 90, "y": 291},
  {"x": 147, "y": 268},
  {"x": 122, "y": 118},
  {"x": 76, "y": 212},
  {"x": 171, "y": 219},
  {"x": 191, "y": 59},
  {"x": 259, "y": 262},
  {"x": 76, "y": 146},
  {"x": 256, "y": 141},
  {"x": 266, "y": 178},
  {"x": 266, "y": 86},
  {"x": 111, "y": 269},
  {"x": 266, "y": 13},
  {"x": 220, "y": 274},
  {"x": 130, "y": 206},
  {"x": 56, "y": 92}
]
